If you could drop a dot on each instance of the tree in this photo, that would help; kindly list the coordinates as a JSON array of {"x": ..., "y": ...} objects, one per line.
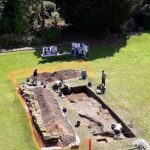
[
  {"x": 39, "y": 11},
  {"x": 135, "y": 6},
  {"x": 94, "y": 14},
  {"x": 14, "y": 17},
  {"x": 2, "y": 3}
]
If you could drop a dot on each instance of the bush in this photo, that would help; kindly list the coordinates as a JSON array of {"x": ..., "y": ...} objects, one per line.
[
  {"x": 146, "y": 23},
  {"x": 50, "y": 36},
  {"x": 55, "y": 17},
  {"x": 49, "y": 6},
  {"x": 11, "y": 40},
  {"x": 100, "y": 34},
  {"x": 5, "y": 40},
  {"x": 36, "y": 41}
]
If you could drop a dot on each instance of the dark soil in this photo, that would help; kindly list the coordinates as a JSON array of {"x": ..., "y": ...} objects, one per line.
[
  {"x": 52, "y": 117},
  {"x": 63, "y": 75}
]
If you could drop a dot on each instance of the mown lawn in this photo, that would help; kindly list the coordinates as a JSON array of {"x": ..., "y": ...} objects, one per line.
[{"x": 128, "y": 88}]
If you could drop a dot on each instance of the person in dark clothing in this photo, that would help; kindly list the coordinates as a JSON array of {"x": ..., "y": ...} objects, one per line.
[
  {"x": 103, "y": 77},
  {"x": 35, "y": 73},
  {"x": 57, "y": 85},
  {"x": 89, "y": 84},
  {"x": 35, "y": 77},
  {"x": 101, "y": 89}
]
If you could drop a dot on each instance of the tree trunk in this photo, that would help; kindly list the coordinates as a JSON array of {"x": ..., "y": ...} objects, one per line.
[{"x": 43, "y": 16}]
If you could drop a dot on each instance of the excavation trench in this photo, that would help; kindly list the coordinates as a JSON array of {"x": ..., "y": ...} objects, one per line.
[
  {"x": 95, "y": 114},
  {"x": 53, "y": 126}
]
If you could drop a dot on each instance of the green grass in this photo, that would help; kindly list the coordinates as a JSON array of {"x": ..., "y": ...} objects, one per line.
[{"x": 128, "y": 88}]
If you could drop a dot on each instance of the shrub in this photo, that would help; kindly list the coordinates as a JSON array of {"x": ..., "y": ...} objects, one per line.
[
  {"x": 100, "y": 34},
  {"x": 146, "y": 23},
  {"x": 36, "y": 41},
  {"x": 55, "y": 17},
  {"x": 5, "y": 40},
  {"x": 49, "y": 6},
  {"x": 12, "y": 40},
  {"x": 50, "y": 36}
]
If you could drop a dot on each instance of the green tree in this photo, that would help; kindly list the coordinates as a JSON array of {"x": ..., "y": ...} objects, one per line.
[
  {"x": 94, "y": 14},
  {"x": 2, "y": 3},
  {"x": 135, "y": 6},
  {"x": 14, "y": 17}
]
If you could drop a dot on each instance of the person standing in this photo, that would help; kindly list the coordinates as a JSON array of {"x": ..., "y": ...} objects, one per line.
[
  {"x": 35, "y": 73},
  {"x": 118, "y": 128},
  {"x": 79, "y": 52},
  {"x": 35, "y": 76},
  {"x": 103, "y": 77}
]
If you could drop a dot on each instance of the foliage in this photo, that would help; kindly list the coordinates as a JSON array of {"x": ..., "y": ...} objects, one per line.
[
  {"x": 14, "y": 17},
  {"x": 50, "y": 35},
  {"x": 135, "y": 6},
  {"x": 55, "y": 17},
  {"x": 146, "y": 20},
  {"x": 49, "y": 6},
  {"x": 100, "y": 34},
  {"x": 36, "y": 41},
  {"x": 5, "y": 39},
  {"x": 94, "y": 14},
  {"x": 12, "y": 40},
  {"x": 39, "y": 11}
]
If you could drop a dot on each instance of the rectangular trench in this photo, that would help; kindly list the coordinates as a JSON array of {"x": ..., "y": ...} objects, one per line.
[{"x": 84, "y": 89}]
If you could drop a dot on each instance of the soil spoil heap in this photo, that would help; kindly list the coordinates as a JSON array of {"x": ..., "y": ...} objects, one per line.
[{"x": 59, "y": 75}]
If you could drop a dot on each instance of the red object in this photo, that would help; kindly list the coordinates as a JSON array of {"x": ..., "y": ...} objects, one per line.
[{"x": 90, "y": 144}]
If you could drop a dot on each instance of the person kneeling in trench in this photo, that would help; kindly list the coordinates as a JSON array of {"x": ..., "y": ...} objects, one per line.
[
  {"x": 57, "y": 85},
  {"x": 67, "y": 88},
  {"x": 117, "y": 130},
  {"x": 100, "y": 89},
  {"x": 115, "y": 133}
]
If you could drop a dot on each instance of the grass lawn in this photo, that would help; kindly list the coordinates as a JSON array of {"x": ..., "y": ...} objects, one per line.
[{"x": 128, "y": 88}]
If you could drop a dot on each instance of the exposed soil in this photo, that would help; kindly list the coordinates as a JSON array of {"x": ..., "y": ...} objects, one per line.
[
  {"x": 51, "y": 123},
  {"x": 96, "y": 118},
  {"x": 55, "y": 123},
  {"x": 64, "y": 75},
  {"x": 95, "y": 114},
  {"x": 48, "y": 118}
]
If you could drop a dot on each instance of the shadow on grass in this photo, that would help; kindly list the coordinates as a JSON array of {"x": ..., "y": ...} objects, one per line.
[{"x": 95, "y": 52}]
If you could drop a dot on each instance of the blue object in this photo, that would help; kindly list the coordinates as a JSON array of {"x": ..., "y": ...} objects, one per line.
[
  {"x": 76, "y": 52},
  {"x": 45, "y": 52},
  {"x": 73, "y": 52}
]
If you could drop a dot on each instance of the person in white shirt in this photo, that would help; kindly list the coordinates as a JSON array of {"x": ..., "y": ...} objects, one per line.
[
  {"x": 79, "y": 52},
  {"x": 117, "y": 128},
  {"x": 85, "y": 50},
  {"x": 57, "y": 85},
  {"x": 141, "y": 144},
  {"x": 73, "y": 49}
]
